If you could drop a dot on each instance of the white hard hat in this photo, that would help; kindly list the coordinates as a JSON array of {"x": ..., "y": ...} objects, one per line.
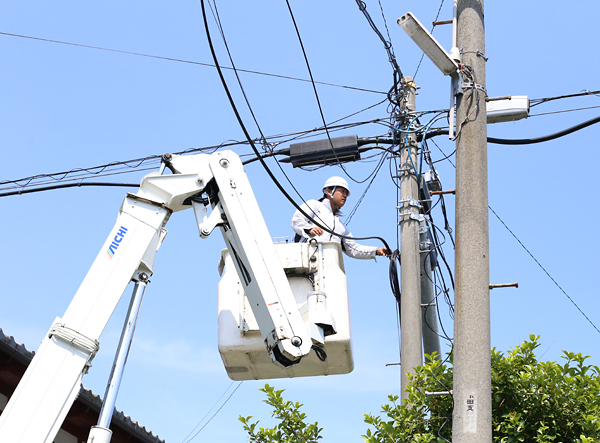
[{"x": 335, "y": 181}]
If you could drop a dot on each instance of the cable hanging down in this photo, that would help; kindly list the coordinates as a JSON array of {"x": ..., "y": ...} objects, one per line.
[{"x": 251, "y": 141}]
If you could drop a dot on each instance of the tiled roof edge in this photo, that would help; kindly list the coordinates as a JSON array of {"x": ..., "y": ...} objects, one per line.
[{"x": 86, "y": 395}]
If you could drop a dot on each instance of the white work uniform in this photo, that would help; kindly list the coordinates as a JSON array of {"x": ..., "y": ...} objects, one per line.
[{"x": 322, "y": 213}]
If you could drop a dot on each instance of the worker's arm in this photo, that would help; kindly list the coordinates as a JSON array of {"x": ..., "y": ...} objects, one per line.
[
  {"x": 356, "y": 250},
  {"x": 302, "y": 225}
]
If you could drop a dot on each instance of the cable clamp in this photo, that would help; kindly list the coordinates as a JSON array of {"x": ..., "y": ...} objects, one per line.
[
  {"x": 411, "y": 143},
  {"x": 411, "y": 215},
  {"x": 424, "y": 245},
  {"x": 411, "y": 202},
  {"x": 91, "y": 346},
  {"x": 478, "y": 53},
  {"x": 469, "y": 85},
  {"x": 482, "y": 55},
  {"x": 405, "y": 171}
]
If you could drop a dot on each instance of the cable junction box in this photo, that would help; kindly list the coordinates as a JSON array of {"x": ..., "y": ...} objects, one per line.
[{"x": 507, "y": 109}]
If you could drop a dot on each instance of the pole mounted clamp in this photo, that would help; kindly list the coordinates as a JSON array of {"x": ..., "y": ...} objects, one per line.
[
  {"x": 405, "y": 171},
  {"x": 411, "y": 202},
  {"x": 411, "y": 143},
  {"x": 411, "y": 215},
  {"x": 462, "y": 86},
  {"x": 424, "y": 245},
  {"x": 478, "y": 53}
]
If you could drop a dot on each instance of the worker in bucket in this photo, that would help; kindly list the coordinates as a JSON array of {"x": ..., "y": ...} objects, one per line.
[{"x": 326, "y": 212}]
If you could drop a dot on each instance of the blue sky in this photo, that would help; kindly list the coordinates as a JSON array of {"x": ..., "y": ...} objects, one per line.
[{"x": 64, "y": 107}]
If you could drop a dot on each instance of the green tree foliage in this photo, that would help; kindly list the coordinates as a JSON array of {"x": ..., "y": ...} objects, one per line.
[
  {"x": 291, "y": 427},
  {"x": 532, "y": 401}
]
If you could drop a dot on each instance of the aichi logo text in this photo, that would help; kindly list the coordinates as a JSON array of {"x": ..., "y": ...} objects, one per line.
[{"x": 112, "y": 248}]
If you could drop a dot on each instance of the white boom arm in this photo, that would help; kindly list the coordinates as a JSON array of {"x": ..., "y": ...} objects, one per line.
[{"x": 52, "y": 381}]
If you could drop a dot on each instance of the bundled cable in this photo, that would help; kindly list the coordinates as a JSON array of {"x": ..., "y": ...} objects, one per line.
[{"x": 394, "y": 282}]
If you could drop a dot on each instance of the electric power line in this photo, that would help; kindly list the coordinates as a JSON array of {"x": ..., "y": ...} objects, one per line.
[
  {"x": 214, "y": 415},
  {"x": 135, "y": 164},
  {"x": 139, "y": 54},
  {"x": 529, "y": 141},
  {"x": 544, "y": 269},
  {"x": 251, "y": 141},
  {"x": 315, "y": 87},
  {"x": 432, "y": 28},
  {"x": 387, "y": 44},
  {"x": 564, "y": 110},
  {"x": 538, "y": 101},
  {"x": 539, "y": 264}
]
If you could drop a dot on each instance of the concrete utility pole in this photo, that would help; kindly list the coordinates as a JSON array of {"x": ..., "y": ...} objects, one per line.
[
  {"x": 472, "y": 416},
  {"x": 410, "y": 311}
]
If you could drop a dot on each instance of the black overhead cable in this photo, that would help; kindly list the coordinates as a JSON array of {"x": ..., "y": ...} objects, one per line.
[
  {"x": 134, "y": 164},
  {"x": 525, "y": 141},
  {"x": 217, "y": 18},
  {"x": 95, "y": 170},
  {"x": 396, "y": 92},
  {"x": 138, "y": 162},
  {"x": 315, "y": 88},
  {"x": 387, "y": 44},
  {"x": 251, "y": 142},
  {"x": 266, "y": 144},
  {"x": 139, "y": 54},
  {"x": 68, "y": 185},
  {"x": 380, "y": 163},
  {"x": 538, "y": 101},
  {"x": 325, "y": 126}
]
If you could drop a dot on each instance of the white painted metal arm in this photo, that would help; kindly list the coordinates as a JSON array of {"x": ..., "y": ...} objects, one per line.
[
  {"x": 236, "y": 211},
  {"x": 52, "y": 381}
]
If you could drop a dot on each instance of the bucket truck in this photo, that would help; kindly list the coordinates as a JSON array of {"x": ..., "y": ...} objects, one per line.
[{"x": 52, "y": 381}]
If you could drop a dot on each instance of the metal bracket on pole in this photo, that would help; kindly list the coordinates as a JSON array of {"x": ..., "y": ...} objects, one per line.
[
  {"x": 411, "y": 202},
  {"x": 405, "y": 171},
  {"x": 505, "y": 285},
  {"x": 435, "y": 394},
  {"x": 411, "y": 215},
  {"x": 411, "y": 143},
  {"x": 463, "y": 85},
  {"x": 424, "y": 245}
]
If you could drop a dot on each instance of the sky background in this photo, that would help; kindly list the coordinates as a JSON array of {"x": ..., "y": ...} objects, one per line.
[{"x": 64, "y": 107}]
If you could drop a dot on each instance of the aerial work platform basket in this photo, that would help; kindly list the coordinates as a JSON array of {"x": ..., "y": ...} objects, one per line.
[{"x": 316, "y": 275}]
